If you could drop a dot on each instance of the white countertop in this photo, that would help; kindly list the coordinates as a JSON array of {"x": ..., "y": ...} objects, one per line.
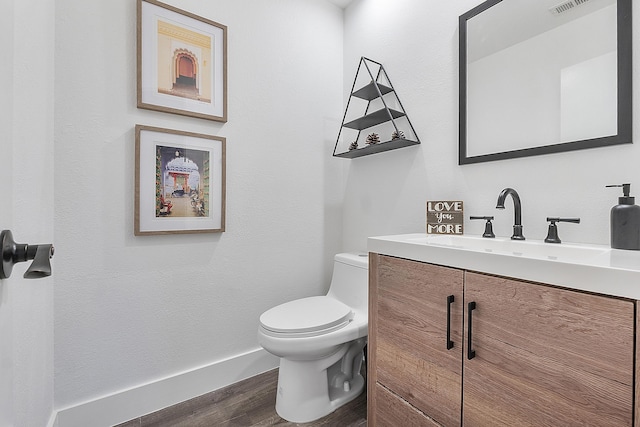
[{"x": 593, "y": 268}]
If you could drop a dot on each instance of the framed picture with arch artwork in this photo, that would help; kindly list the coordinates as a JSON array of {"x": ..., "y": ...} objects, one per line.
[
  {"x": 180, "y": 182},
  {"x": 182, "y": 62}
]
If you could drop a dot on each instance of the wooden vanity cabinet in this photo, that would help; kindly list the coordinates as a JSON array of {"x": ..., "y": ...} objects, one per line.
[
  {"x": 409, "y": 358},
  {"x": 541, "y": 355},
  {"x": 546, "y": 356}
]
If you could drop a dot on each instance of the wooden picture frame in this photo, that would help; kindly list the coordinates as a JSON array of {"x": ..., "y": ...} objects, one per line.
[
  {"x": 180, "y": 182},
  {"x": 181, "y": 62}
]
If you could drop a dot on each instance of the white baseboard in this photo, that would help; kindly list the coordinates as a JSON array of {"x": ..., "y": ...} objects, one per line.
[{"x": 147, "y": 398}]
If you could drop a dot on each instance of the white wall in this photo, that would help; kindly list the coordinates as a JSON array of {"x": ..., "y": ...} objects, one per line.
[
  {"x": 26, "y": 143},
  {"x": 417, "y": 42},
  {"x": 133, "y": 310}
]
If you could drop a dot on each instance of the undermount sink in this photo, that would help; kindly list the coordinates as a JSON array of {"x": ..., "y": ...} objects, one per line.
[{"x": 521, "y": 248}]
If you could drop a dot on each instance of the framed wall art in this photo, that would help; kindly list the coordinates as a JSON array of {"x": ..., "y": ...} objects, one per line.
[
  {"x": 182, "y": 62},
  {"x": 179, "y": 182}
]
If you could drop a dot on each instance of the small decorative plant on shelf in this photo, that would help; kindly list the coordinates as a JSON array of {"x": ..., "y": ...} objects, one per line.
[
  {"x": 397, "y": 135},
  {"x": 373, "y": 139},
  {"x": 353, "y": 146}
]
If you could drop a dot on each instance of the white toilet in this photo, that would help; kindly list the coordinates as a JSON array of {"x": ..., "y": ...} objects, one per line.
[{"x": 320, "y": 342}]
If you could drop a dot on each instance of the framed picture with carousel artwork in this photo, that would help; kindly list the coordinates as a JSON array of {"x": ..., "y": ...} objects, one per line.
[
  {"x": 182, "y": 62},
  {"x": 180, "y": 182}
]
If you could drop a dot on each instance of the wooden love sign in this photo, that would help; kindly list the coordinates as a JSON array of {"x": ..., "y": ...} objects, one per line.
[{"x": 445, "y": 217}]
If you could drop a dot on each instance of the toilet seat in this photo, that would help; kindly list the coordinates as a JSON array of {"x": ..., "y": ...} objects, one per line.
[{"x": 306, "y": 317}]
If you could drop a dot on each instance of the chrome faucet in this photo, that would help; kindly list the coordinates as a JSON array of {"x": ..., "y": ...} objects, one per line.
[{"x": 517, "y": 211}]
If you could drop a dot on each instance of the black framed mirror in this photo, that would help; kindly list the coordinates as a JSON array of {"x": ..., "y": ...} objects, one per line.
[{"x": 544, "y": 76}]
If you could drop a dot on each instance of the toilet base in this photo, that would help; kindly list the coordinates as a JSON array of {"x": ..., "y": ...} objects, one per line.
[{"x": 309, "y": 390}]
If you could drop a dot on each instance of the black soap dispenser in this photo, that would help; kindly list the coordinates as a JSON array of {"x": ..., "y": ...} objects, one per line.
[{"x": 625, "y": 221}]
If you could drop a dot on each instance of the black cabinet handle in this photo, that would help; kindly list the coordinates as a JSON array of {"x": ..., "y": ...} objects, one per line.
[
  {"x": 450, "y": 300},
  {"x": 470, "y": 353}
]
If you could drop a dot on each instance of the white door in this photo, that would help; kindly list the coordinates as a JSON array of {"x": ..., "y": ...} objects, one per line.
[
  {"x": 6, "y": 217},
  {"x": 26, "y": 208}
]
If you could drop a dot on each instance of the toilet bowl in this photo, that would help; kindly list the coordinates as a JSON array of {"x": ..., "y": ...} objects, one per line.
[{"x": 320, "y": 342}]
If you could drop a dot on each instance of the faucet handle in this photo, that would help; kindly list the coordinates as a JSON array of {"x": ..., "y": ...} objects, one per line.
[
  {"x": 552, "y": 234},
  {"x": 488, "y": 227}
]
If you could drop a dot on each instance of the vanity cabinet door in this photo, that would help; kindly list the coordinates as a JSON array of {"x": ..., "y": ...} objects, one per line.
[
  {"x": 393, "y": 411},
  {"x": 546, "y": 356},
  {"x": 410, "y": 309}
]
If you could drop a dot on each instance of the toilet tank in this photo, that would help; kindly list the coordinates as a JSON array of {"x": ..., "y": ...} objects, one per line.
[{"x": 350, "y": 280}]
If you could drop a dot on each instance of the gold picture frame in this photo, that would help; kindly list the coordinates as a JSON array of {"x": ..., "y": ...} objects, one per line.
[
  {"x": 181, "y": 62},
  {"x": 180, "y": 182}
]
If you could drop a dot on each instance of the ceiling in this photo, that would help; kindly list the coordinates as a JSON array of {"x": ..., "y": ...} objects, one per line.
[{"x": 341, "y": 3}]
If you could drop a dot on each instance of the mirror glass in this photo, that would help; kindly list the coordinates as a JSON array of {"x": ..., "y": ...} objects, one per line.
[{"x": 544, "y": 76}]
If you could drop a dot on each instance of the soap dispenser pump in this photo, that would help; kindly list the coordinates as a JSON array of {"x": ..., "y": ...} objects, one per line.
[{"x": 625, "y": 221}]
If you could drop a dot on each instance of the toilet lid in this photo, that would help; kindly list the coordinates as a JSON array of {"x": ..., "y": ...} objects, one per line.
[{"x": 306, "y": 316}]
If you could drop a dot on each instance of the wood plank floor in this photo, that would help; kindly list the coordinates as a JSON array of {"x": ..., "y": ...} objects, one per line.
[{"x": 244, "y": 404}]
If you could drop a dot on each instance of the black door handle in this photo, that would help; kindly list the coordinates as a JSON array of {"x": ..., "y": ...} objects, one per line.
[
  {"x": 13, "y": 253},
  {"x": 450, "y": 300},
  {"x": 470, "y": 353}
]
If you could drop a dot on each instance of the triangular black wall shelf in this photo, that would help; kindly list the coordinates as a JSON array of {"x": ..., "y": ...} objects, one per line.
[{"x": 387, "y": 124}]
